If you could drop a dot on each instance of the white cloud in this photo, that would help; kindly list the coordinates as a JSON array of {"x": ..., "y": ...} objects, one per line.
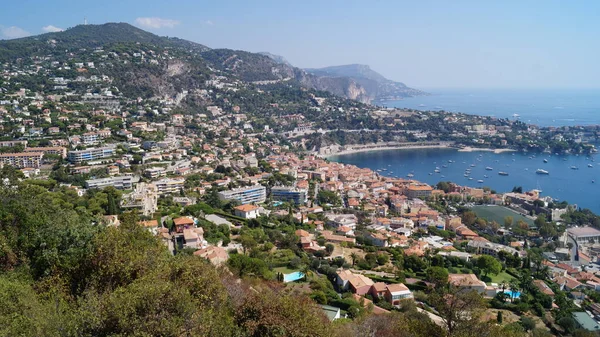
[
  {"x": 51, "y": 29},
  {"x": 13, "y": 32},
  {"x": 156, "y": 23},
  {"x": 209, "y": 23}
]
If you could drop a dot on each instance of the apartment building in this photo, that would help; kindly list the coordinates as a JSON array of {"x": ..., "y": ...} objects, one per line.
[
  {"x": 289, "y": 194},
  {"x": 169, "y": 185},
  {"x": 121, "y": 182},
  {"x": 91, "y": 154},
  {"x": 57, "y": 150},
  {"x": 22, "y": 159},
  {"x": 245, "y": 195}
]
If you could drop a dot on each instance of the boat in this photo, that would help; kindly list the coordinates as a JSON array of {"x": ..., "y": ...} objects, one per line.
[
  {"x": 470, "y": 178},
  {"x": 436, "y": 171},
  {"x": 502, "y": 173},
  {"x": 466, "y": 175},
  {"x": 485, "y": 176},
  {"x": 545, "y": 160},
  {"x": 540, "y": 171},
  {"x": 410, "y": 175},
  {"x": 444, "y": 166},
  {"x": 489, "y": 168},
  {"x": 574, "y": 168},
  {"x": 472, "y": 165},
  {"x": 430, "y": 173},
  {"x": 590, "y": 165},
  {"x": 480, "y": 181}
]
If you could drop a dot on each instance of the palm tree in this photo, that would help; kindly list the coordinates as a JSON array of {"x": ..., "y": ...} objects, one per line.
[
  {"x": 514, "y": 287},
  {"x": 503, "y": 286},
  {"x": 354, "y": 257}
]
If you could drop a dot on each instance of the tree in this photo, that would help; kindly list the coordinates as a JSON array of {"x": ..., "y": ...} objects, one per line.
[
  {"x": 354, "y": 258},
  {"x": 329, "y": 248},
  {"x": 489, "y": 265},
  {"x": 437, "y": 275},
  {"x": 508, "y": 221},
  {"x": 499, "y": 317},
  {"x": 527, "y": 323},
  {"x": 469, "y": 217},
  {"x": 459, "y": 310}
]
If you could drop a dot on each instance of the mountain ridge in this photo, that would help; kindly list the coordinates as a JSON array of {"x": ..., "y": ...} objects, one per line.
[{"x": 198, "y": 60}]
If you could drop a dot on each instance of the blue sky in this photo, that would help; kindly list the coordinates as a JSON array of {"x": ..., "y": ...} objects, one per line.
[{"x": 426, "y": 44}]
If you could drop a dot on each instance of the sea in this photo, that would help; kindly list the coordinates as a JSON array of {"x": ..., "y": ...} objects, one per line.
[{"x": 574, "y": 178}]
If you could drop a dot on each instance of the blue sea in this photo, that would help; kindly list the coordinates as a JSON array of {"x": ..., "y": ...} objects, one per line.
[{"x": 541, "y": 107}]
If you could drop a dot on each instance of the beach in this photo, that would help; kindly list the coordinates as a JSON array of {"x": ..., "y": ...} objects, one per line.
[
  {"x": 383, "y": 147},
  {"x": 472, "y": 149}
]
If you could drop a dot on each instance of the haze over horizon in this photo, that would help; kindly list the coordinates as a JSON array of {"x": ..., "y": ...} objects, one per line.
[{"x": 432, "y": 44}]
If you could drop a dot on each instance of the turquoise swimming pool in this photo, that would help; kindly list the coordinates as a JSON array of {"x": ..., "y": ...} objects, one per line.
[
  {"x": 512, "y": 294},
  {"x": 295, "y": 276}
]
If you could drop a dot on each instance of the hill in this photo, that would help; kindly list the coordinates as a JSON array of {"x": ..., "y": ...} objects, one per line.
[
  {"x": 376, "y": 85},
  {"x": 189, "y": 64}
]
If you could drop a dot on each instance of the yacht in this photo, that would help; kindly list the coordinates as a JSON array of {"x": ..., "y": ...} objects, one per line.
[
  {"x": 436, "y": 171},
  {"x": 540, "y": 171},
  {"x": 472, "y": 165},
  {"x": 480, "y": 181},
  {"x": 545, "y": 160},
  {"x": 574, "y": 168},
  {"x": 470, "y": 178},
  {"x": 502, "y": 173},
  {"x": 590, "y": 165},
  {"x": 489, "y": 168},
  {"x": 410, "y": 175}
]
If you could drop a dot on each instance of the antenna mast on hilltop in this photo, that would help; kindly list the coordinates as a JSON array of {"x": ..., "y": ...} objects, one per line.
[{"x": 84, "y": 21}]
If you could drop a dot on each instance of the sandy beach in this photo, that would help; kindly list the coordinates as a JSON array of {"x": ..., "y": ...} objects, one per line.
[
  {"x": 382, "y": 148},
  {"x": 408, "y": 147},
  {"x": 472, "y": 149}
]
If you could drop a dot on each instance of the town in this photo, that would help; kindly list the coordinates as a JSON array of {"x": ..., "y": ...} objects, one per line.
[{"x": 226, "y": 173}]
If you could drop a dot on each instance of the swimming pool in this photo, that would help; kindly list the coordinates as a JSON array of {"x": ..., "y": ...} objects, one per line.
[
  {"x": 295, "y": 276},
  {"x": 512, "y": 294}
]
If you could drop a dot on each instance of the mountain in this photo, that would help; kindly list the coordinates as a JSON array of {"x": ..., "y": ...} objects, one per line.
[
  {"x": 277, "y": 58},
  {"x": 376, "y": 85},
  {"x": 190, "y": 64}
]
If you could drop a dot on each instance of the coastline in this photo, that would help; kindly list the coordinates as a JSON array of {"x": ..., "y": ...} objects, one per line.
[
  {"x": 378, "y": 149},
  {"x": 409, "y": 147},
  {"x": 473, "y": 149}
]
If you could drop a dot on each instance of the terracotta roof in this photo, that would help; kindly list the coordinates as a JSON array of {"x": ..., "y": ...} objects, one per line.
[
  {"x": 246, "y": 208},
  {"x": 184, "y": 220},
  {"x": 393, "y": 288}
]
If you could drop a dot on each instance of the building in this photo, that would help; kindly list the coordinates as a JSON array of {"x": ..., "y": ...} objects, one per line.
[
  {"x": 216, "y": 255},
  {"x": 245, "y": 195},
  {"x": 183, "y": 223},
  {"x": 119, "y": 182},
  {"x": 22, "y": 159},
  {"x": 584, "y": 234},
  {"x": 467, "y": 282},
  {"x": 490, "y": 248},
  {"x": 289, "y": 194},
  {"x": 586, "y": 322},
  {"x": 193, "y": 237},
  {"x": 395, "y": 293},
  {"x": 90, "y": 154},
  {"x": 56, "y": 150},
  {"x": 169, "y": 185},
  {"x": 332, "y": 313},
  {"x": 247, "y": 211},
  {"x": 418, "y": 191},
  {"x": 144, "y": 199}
]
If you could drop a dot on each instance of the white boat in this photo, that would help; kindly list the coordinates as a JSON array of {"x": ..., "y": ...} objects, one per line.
[
  {"x": 480, "y": 181},
  {"x": 574, "y": 168},
  {"x": 590, "y": 165},
  {"x": 470, "y": 178},
  {"x": 436, "y": 171},
  {"x": 410, "y": 175},
  {"x": 502, "y": 173},
  {"x": 545, "y": 160},
  {"x": 489, "y": 168},
  {"x": 540, "y": 171}
]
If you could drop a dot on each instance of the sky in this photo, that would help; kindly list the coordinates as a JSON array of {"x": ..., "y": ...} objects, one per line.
[{"x": 425, "y": 44}]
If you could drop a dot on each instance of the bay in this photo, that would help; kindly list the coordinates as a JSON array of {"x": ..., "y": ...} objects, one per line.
[
  {"x": 543, "y": 107},
  {"x": 563, "y": 183}
]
